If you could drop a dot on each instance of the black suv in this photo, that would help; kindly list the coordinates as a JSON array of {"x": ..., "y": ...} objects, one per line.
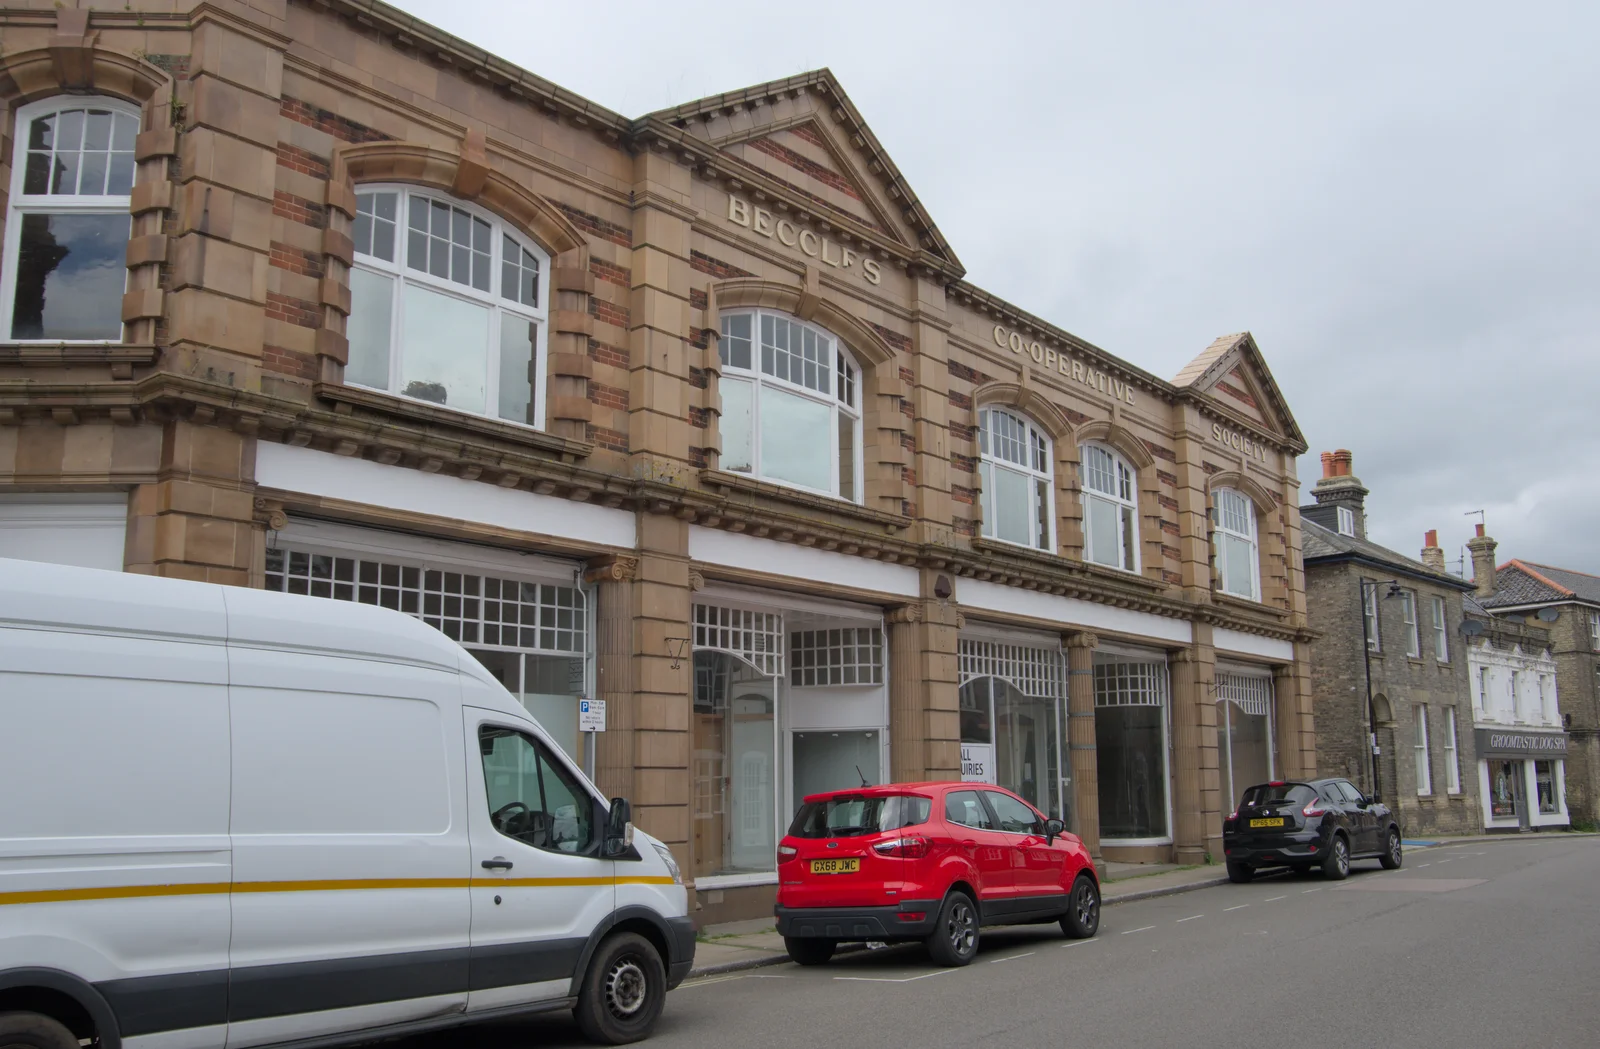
[{"x": 1319, "y": 823}]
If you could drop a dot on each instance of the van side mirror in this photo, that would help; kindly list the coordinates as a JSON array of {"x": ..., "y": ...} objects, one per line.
[
  {"x": 1053, "y": 829},
  {"x": 619, "y": 827}
]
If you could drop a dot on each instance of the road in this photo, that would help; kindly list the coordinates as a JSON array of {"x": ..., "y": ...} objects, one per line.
[{"x": 1487, "y": 944}]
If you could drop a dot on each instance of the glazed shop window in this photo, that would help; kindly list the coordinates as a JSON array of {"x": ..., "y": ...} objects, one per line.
[
  {"x": 1015, "y": 476},
  {"x": 733, "y": 767},
  {"x": 1130, "y": 724},
  {"x": 1110, "y": 510},
  {"x": 447, "y": 305},
  {"x": 533, "y": 637},
  {"x": 791, "y": 407},
  {"x": 1233, "y": 519},
  {"x": 67, "y": 226}
]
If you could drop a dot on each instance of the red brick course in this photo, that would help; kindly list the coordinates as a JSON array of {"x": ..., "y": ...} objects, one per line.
[
  {"x": 598, "y": 226},
  {"x": 610, "y": 274},
  {"x": 615, "y": 440},
  {"x": 1161, "y": 453},
  {"x": 809, "y": 133},
  {"x": 697, "y": 299},
  {"x": 296, "y": 260},
  {"x": 902, "y": 343},
  {"x": 287, "y": 362},
  {"x": 329, "y": 122},
  {"x": 303, "y": 160},
  {"x": 1167, "y": 479},
  {"x": 303, "y": 312},
  {"x": 715, "y": 267},
  {"x": 601, "y": 353},
  {"x": 806, "y": 166},
  {"x": 960, "y": 400},
  {"x": 964, "y": 463},
  {"x": 699, "y": 418},
  {"x": 608, "y": 396},
  {"x": 609, "y": 312},
  {"x": 299, "y": 209},
  {"x": 963, "y": 495}
]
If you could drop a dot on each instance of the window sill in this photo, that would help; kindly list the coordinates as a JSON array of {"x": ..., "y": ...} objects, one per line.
[
  {"x": 54, "y": 353},
  {"x": 999, "y": 547},
  {"x": 734, "y": 482},
  {"x": 348, "y": 398},
  {"x": 1429, "y": 799},
  {"x": 1226, "y": 600}
]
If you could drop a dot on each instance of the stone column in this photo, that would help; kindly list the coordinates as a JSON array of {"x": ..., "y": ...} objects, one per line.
[
  {"x": 1080, "y": 741},
  {"x": 1286, "y": 724},
  {"x": 661, "y": 703},
  {"x": 1188, "y": 694},
  {"x": 907, "y": 729},
  {"x": 614, "y": 652}
]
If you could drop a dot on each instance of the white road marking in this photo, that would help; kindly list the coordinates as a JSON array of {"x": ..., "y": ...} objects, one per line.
[
  {"x": 1421, "y": 865},
  {"x": 1304, "y": 891},
  {"x": 1145, "y": 928},
  {"x": 1012, "y": 958},
  {"x": 1275, "y": 899},
  {"x": 1080, "y": 943},
  {"x": 1191, "y": 918},
  {"x": 888, "y": 979},
  {"x": 1443, "y": 862},
  {"x": 1241, "y": 907}
]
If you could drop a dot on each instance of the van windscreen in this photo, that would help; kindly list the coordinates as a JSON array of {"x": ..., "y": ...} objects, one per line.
[{"x": 852, "y": 815}]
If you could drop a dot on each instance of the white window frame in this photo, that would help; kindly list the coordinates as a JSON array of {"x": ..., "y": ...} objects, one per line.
[
  {"x": 849, "y": 407},
  {"x": 1546, "y": 712},
  {"x": 1452, "y": 753},
  {"x": 1483, "y": 692},
  {"x": 1122, "y": 475},
  {"x": 492, "y": 300},
  {"x": 1420, "y": 747},
  {"x": 1369, "y": 610},
  {"x": 1408, "y": 612},
  {"x": 1441, "y": 632},
  {"x": 52, "y": 204},
  {"x": 1346, "y": 519},
  {"x": 1594, "y": 626},
  {"x": 1219, "y": 515},
  {"x": 1039, "y": 473}
]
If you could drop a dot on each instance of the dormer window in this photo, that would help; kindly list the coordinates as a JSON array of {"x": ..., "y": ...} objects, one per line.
[{"x": 1347, "y": 520}]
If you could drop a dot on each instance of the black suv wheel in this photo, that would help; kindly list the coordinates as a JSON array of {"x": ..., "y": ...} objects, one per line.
[
  {"x": 1337, "y": 865},
  {"x": 1392, "y": 856}
]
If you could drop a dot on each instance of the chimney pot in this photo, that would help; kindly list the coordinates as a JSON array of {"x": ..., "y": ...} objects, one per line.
[
  {"x": 1432, "y": 556},
  {"x": 1480, "y": 531},
  {"x": 1432, "y": 538},
  {"x": 1327, "y": 464}
]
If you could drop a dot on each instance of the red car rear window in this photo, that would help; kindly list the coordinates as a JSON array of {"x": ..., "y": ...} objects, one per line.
[{"x": 849, "y": 815}]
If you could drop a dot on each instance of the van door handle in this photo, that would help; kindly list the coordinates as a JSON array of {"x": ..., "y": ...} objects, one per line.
[{"x": 499, "y": 863}]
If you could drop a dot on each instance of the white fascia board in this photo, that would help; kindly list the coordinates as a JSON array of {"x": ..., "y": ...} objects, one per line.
[
  {"x": 310, "y": 472},
  {"x": 1071, "y": 612},
  {"x": 1225, "y": 640},
  {"x": 732, "y": 550}
]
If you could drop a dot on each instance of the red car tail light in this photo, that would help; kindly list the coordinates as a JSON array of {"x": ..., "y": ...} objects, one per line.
[
  {"x": 906, "y": 848},
  {"x": 787, "y": 852},
  {"x": 1313, "y": 808},
  {"x": 912, "y": 916}
]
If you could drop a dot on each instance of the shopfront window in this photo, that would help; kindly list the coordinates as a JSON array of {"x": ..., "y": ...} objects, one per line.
[
  {"x": 1505, "y": 788},
  {"x": 1233, "y": 520},
  {"x": 1244, "y": 730},
  {"x": 532, "y": 636},
  {"x": 1544, "y": 779},
  {"x": 1010, "y": 701},
  {"x": 1130, "y": 720},
  {"x": 1015, "y": 473},
  {"x": 733, "y": 758}
]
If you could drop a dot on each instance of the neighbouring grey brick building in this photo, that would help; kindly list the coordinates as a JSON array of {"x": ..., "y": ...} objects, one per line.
[
  {"x": 1567, "y": 604},
  {"x": 1389, "y": 664}
]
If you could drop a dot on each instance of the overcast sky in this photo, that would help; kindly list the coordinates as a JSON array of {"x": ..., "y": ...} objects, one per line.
[{"x": 1401, "y": 201}]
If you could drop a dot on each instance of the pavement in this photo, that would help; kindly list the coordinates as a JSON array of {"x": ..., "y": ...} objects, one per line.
[{"x": 1474, "y": 943}]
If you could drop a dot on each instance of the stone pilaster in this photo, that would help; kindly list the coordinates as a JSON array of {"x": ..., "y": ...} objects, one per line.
[
  {"x": 661, "y": 701},
  {"x": 197, "y": 519},
  {"x": 613, "y": 578},
  {"x": 908, "y": 752},
  {"x": 1286, "y": 724},
  {"x": 1081, "y": 741},
  {"x": 1188, "y": 695}
]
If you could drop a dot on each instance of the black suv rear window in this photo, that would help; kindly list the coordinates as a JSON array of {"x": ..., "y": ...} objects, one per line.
[
  {"x": 1278, "y": 794},
  {"x": 848, "y": 816}
]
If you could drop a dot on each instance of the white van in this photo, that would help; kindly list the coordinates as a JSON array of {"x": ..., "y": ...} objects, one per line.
[{"x": 241, "y": 818}]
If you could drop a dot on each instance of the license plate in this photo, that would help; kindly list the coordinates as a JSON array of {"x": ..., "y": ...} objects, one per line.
[
  {"x": 835, "y": 866},
  {"x": 1276, "y": 821}
]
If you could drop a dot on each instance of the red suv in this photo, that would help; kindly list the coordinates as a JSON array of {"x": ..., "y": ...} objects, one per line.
[{"x": 930, "y": 862}]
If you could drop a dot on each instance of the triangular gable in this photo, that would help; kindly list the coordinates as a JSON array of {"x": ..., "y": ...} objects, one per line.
[
  {"x": 1232, "y": 375},
  {"x": 805, "y": 135}
]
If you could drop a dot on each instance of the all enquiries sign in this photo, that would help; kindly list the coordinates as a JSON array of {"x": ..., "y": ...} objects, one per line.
[{"x": 977, "y": 763}]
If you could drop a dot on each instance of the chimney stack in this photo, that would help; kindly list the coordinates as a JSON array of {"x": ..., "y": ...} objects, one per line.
[
  {"x": 1432, "y": 555},
  {"x": 1482, "y": 548},
  {"x": 1340, "y": 487}
]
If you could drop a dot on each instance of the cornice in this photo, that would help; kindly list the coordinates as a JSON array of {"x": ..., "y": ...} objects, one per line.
[{"x": 1221, "y": 413}]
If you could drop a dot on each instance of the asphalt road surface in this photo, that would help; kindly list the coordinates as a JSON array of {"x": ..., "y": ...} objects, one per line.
[{"x": 1492, "y": 944}]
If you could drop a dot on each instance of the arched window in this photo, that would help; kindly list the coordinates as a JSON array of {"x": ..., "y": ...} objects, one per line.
[
  {"x": 447, "y": 305},
  {"x": 1015, "y": 474},
  {"x": 67, "y": 224},
  {"x": 1233, "y": 519},
  {"x": 791, "y": 408},
  {"x": 1110, "y": 509}
]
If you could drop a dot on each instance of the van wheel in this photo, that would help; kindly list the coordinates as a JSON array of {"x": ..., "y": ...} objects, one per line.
[
  {"x": 34, "y": 1031},
  {"x": 623, "y": 992},
  {"x": 808, "y": 952}
]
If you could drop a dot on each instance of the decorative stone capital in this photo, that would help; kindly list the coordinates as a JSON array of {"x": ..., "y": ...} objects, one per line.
[
  {"x": 1081, "y": 639},
  {"x": 473, "y": 170},
  {"x": 270, "y": 515},
  {"x": 697, "y": 581},
  {"x": 905, "y": 614},
  {"x": 612, "y": 570}
]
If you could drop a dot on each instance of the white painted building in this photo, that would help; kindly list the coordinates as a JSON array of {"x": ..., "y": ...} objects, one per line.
[{"x": 1521, "y": 741}]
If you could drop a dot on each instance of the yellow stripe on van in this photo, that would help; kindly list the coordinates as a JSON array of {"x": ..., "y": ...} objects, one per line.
[{"x": 129, "y": 892}]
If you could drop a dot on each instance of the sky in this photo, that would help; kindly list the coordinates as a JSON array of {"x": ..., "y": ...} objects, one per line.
[{"x": 1400, "y": 200}]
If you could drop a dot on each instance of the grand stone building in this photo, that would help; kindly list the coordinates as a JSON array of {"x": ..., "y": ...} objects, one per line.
[
  {"x": 692, "y": 412},
  {"x": 1389, "y": 663}
]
